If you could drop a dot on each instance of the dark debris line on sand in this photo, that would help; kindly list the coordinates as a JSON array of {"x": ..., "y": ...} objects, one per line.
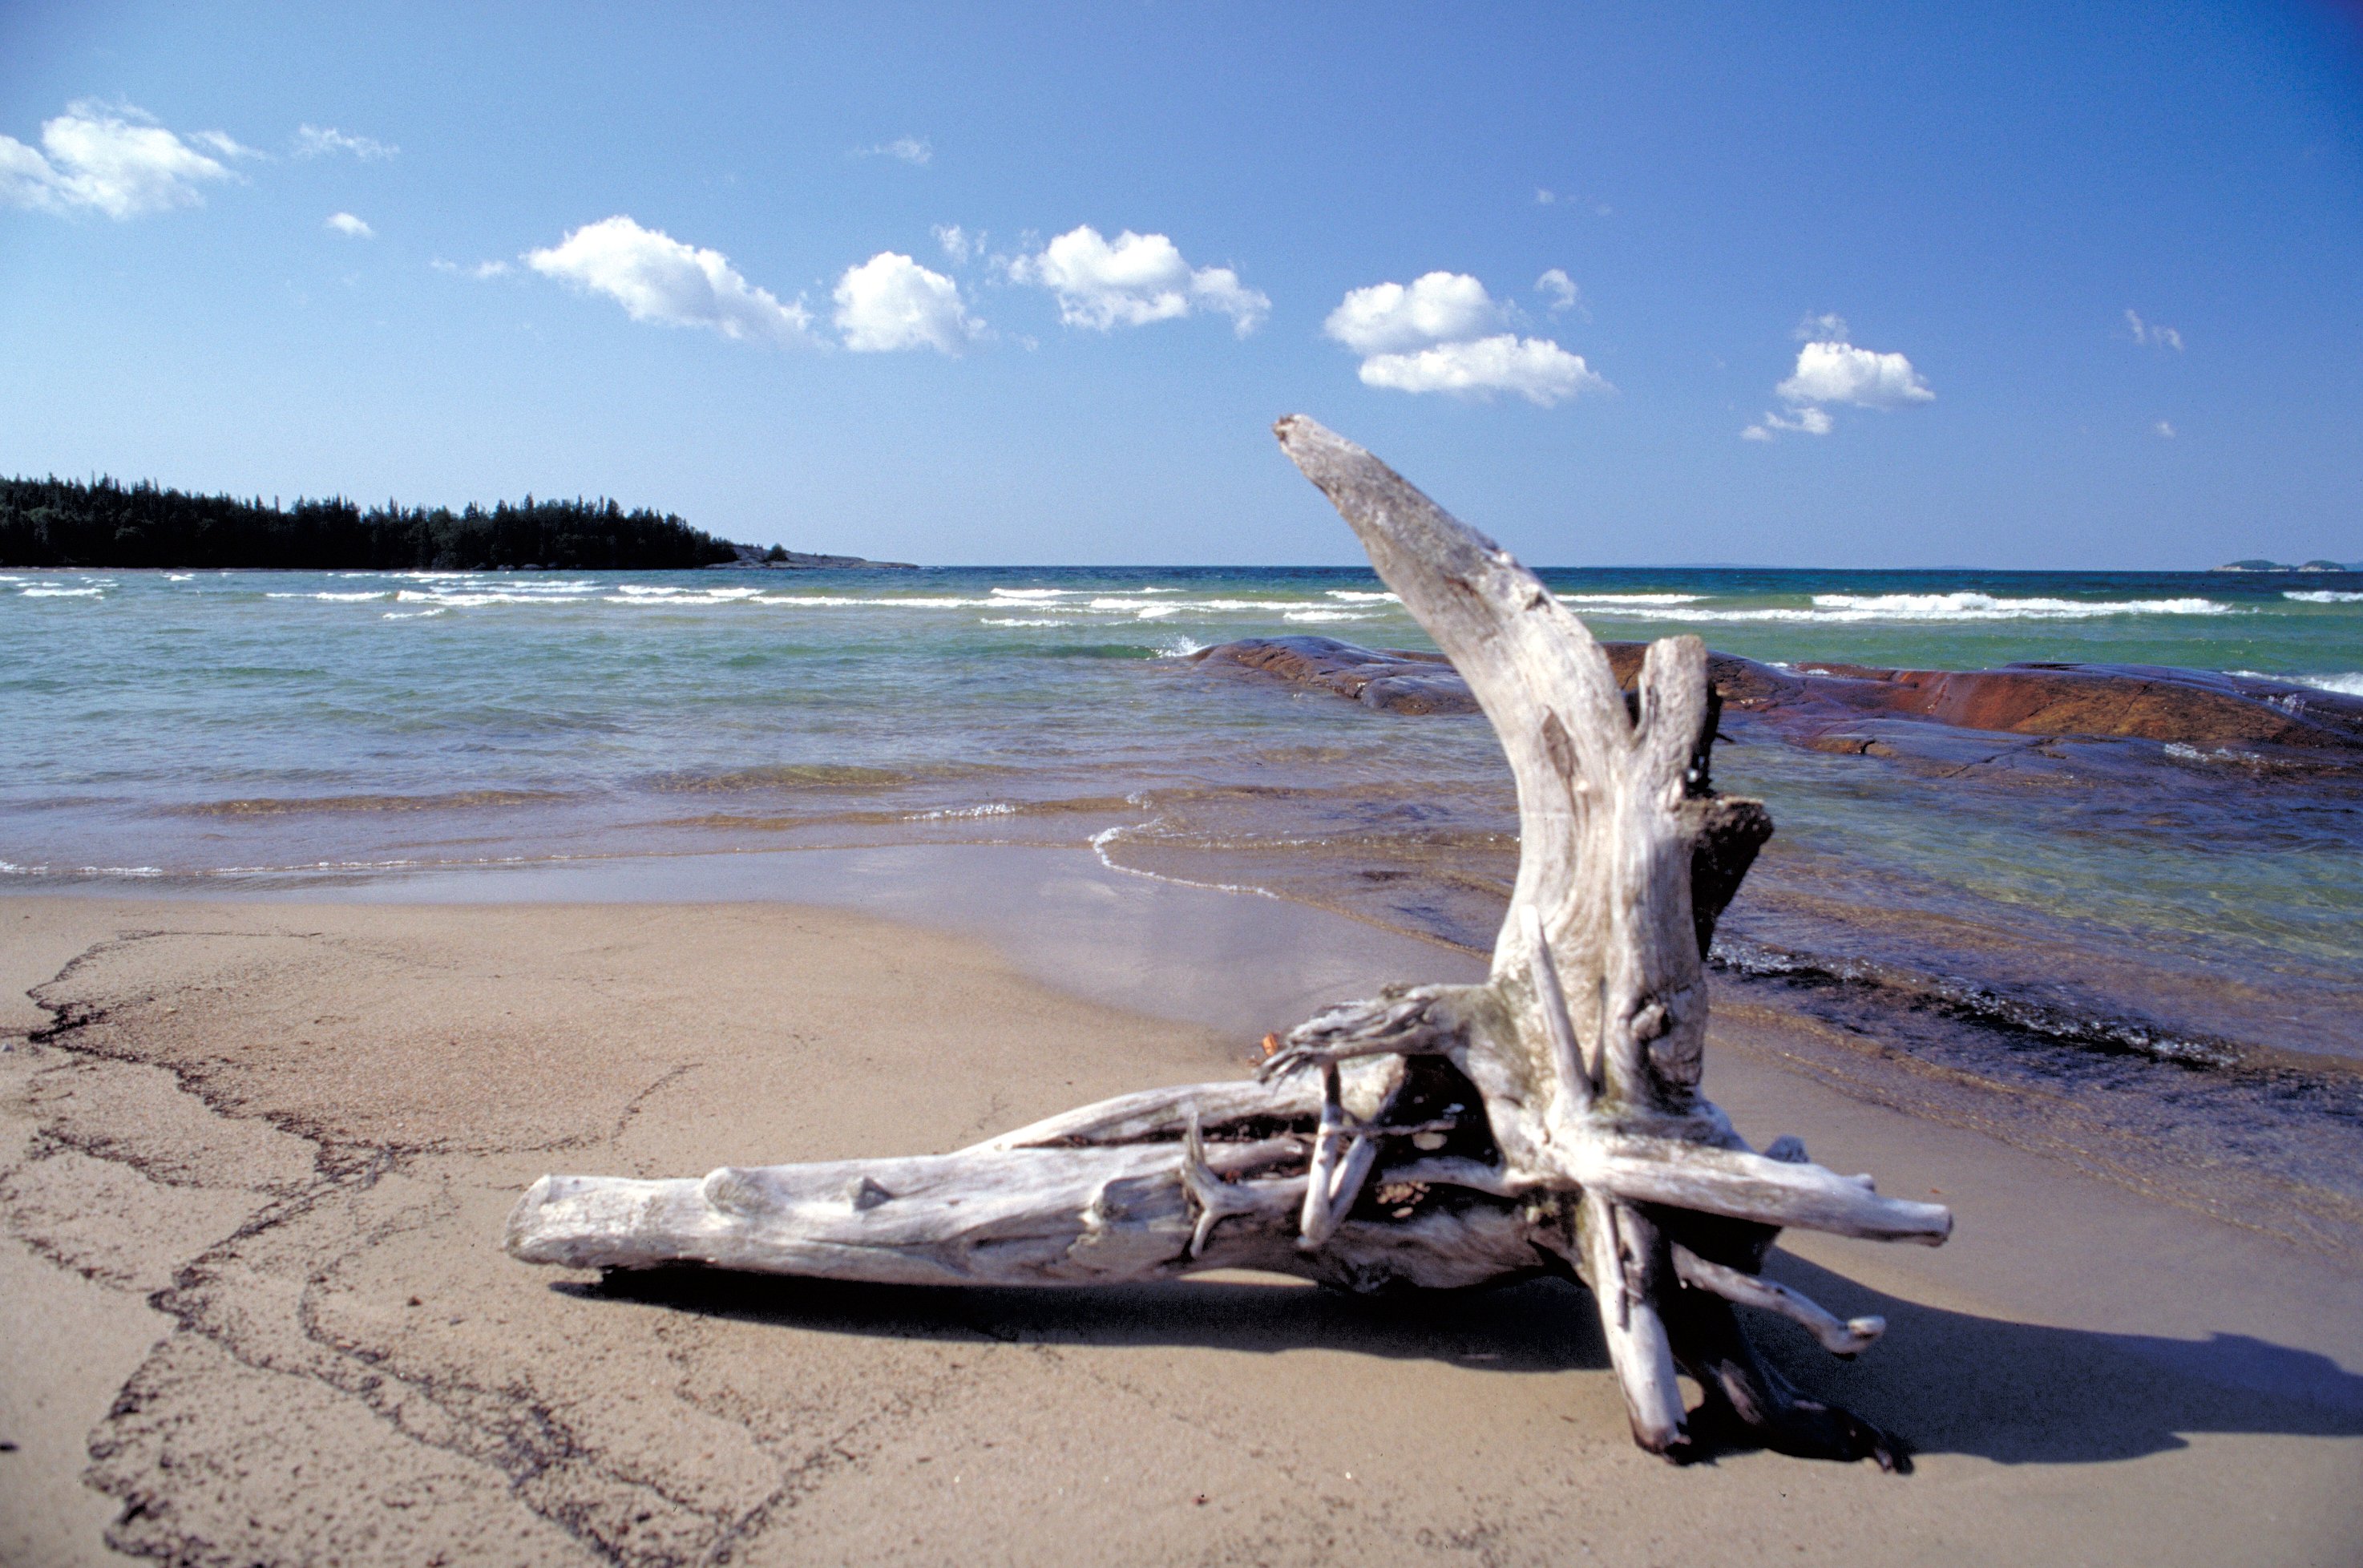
[{"x": 297, "y": 1203}]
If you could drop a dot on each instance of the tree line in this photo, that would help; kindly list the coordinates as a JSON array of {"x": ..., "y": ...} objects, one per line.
[{"x": 65, "y": 523}]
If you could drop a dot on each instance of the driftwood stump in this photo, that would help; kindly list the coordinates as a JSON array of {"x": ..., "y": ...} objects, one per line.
[{"x": 1548, "y": 1120}]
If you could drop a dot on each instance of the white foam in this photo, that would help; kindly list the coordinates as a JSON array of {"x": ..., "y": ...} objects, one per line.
[
  {"x": 1621, "y": 601},
  {"x": 2348, "y": 685},
  {"x": 1132, "y": 605},
  {"x": 413, "y": 615},
  {"x": 1180, "y": 648},
  {"x": 1835, "y": 609},
  {"x": 332, "y": 598},
  {"x": 642, "y": 593},
  {"x": 1101, "y": 839},
  {"x": 1011, "y": 620},
  {"x": 1985, "y": 606},
  {"x": 1207, "y": 607},
  {"x": 46, "y": 591},
  {"x": 2185, "y": 753},
  {"x": 1034, "y": 593},
  {"x": 2322, "y": 596},
  {"x": 994, "y": 808},
  {"x": 1356, "y": 597},
  {"x": 372, "y": 865},
  {"x": 1325, "y": 615},
  {"x": 470, "y": 600},
  {"x": 471, "y": 590}
]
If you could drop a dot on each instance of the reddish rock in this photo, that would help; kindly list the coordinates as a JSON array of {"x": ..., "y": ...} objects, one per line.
[
  {"x": 2144, "y": 702},
  {"x": 1818, "y": 704},
  {"x": 1390, "y": 679}
]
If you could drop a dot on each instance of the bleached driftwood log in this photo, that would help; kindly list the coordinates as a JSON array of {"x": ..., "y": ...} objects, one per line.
[{"x": 1548, "y": 1120}]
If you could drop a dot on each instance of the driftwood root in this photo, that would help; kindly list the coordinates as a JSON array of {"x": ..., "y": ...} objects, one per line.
[{"x": 1548, "y": 1120}]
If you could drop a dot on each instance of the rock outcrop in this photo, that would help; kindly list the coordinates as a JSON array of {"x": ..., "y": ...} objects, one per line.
[
  {"x": 1851, "y": 707},
  {"x": 1390, "y": 679}
]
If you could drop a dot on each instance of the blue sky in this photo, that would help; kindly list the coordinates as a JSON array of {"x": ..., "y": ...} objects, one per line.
[{"x": 2037, "y": 287}]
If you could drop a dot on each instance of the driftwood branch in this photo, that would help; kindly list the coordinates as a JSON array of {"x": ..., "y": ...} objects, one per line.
[{"x": 1548, "y": 1120}]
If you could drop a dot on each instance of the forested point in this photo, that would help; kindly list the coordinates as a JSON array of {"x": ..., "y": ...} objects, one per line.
[{"x": 56, "y": 522}]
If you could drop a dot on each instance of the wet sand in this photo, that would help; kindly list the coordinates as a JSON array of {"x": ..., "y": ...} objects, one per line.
[{"x": 255, "y": 1156}]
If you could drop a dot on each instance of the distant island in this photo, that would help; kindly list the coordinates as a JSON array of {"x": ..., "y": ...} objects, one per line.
[
  {"x": 2281, "y": 566},
  {"x": 51, "y": 523}
]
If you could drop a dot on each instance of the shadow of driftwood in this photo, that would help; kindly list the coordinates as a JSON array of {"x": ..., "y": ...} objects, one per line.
[
  {"x": 1950, "y": 1382},
  {"x": 2027, "y": 1392},
  {"x": 1540, "y": 1325}
]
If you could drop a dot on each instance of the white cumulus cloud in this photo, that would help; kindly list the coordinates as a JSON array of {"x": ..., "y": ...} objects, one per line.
[
  {"x": 1832, "y": 370},
  {"x": 1535, "y": 368},
  {"x": 1436, "y": 307},
  {"x": 222, "y": 142},
  {"x": 345, "y": 223},
  {"x": 322, "y": 140},
  {"x": 891, "y": 302},
  {"x": 2164, "y": 430},
  {"x": 1559, "y": 289},
  {"x": 1440, "y": 333},
  {"x": 112, "y": 158},
  {"x": 1808, "y": 422},
  {"x": 960, "y": 247},
  {"x": 2151, "y": 335},
  {"x": 1134, "y": 280},
  {"x": 657, "y": 278},
  {"x": 1840, "y": 372}
]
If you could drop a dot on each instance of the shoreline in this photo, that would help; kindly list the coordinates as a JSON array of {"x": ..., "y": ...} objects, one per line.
[
  {"x": 263, "y": 1092},
  {"x": 2236, "y": 1136}
]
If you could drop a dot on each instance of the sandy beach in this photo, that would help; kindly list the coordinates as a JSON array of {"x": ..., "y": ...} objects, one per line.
[
  {"x": 255, "y": 1157},
  {"x": 959, "y": 785}
]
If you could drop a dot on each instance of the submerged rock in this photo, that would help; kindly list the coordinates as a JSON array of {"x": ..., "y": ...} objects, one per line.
[
  {"x": 1854, "y": 708},
  {"x": 1390, "y": 679}
]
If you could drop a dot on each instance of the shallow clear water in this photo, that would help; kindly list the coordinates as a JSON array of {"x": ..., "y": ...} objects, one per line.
[{"x": 2117, "y": 902}]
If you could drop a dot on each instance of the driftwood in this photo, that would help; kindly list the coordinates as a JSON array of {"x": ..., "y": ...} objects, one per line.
[{"x": 1548, "y": 1120}]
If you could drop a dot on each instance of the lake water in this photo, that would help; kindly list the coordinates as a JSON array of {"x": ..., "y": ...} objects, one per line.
[{"x": 2161, "y": 946}]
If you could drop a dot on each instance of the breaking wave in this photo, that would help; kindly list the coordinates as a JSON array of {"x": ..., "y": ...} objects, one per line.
[{"x": 1837, "y": 609}]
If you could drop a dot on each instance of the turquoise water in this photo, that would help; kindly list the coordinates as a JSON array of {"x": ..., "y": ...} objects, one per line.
[
  {"x": 237, "y": 727},
  {"x": 198, "y": 724},
  {"x": 2126, "y": 906}
]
